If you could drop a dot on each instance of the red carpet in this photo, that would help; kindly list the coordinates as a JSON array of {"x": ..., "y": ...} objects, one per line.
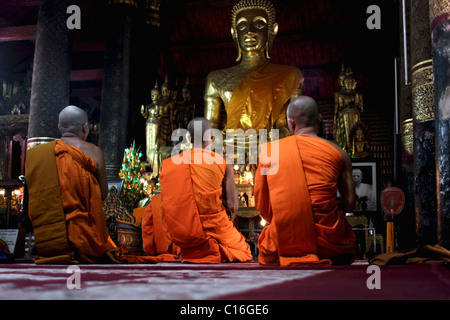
[
  {"x": 406, "y": 282},
  {"x": 247, "y": 281}
]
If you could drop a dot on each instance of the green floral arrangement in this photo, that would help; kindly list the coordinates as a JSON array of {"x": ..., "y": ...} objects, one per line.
[{"x": 131, "y": 173}]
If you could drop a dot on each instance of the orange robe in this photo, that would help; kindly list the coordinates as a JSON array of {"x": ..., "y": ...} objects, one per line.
[
  {"x": 155, "y": 239},
  {"x": 262, "y": 94},
  {"x": 196, "y": 219},
  {"x": 65, "y": 206},
  {"x": 299, "y": 201}
]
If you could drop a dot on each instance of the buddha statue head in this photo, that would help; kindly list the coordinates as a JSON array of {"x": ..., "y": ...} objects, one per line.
[
  {"x": 253, "y": 27},
  {"x": 341, "y": 76},
  {"x": 155, "y": 93},
  {"x": 165, "y": 89},
  {"x": 349, "y": 81}
]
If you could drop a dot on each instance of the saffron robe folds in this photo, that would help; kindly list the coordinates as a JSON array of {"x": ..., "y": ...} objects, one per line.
[
  {"x": 65, "y": 206},
  {"x": 261, "y": 95},
  {"x": 155, "y": 239},
  {"x": 196, "y": 219},
  {"x": 299, "y": 201}
]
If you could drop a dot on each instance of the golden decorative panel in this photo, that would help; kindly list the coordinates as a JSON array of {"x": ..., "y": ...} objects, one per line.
[
  {"x": 112, "y": 206},
  {"x": 35, "y": 141},
  {"x": 131, "y": 238},
  {"x": 438, "y": 8},
  {"x": 408, "y": 136},
  {"x": 423, "y": 91},
  {"x": 247, "y": 212}
]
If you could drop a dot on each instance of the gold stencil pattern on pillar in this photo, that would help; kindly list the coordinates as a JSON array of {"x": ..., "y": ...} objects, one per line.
[
  {"x": 423, "y": 91},
  {"x": 408, "y": 136},
  {"x": 438, "y": 8}
]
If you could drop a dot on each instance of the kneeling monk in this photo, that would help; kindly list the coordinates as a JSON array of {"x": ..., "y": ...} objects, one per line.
[
  {"x": 66, "y": 181},
  {"x": 194, "y": 214},
  {"x": 296, "y": 194}
]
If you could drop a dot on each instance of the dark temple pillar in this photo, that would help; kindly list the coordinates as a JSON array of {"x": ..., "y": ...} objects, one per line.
[
  {"x": 406, "y": 221},
  {"x": 424, "y": 128},
  {"x": 440, "y": 25},
  {"x": 115, "y": 92},
  {"x": 50, "y": 88},
  {"x": 144, "y": 67}
]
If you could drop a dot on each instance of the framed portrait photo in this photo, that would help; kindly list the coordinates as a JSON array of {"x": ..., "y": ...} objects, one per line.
[{"x": 364, "y": 174}]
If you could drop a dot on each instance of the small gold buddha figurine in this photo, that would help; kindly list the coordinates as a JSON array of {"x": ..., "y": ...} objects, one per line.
[
  {"x": 348, "y": 107},
  {"x": 152, "y": 128},
  {"x": 166, "y": 106},
  {"x": 360, "y": 143},
  {"x": 254, "y": 93}
]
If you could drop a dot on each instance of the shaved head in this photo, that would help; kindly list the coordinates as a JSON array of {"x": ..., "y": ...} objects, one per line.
[
  {"x": 199, "y": 126},
  {"x": 303, "y": 111},
  {"x": 72, "y": 119}
]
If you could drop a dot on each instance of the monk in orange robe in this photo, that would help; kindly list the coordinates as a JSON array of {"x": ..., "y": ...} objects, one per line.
[
  {"x": 155, "y": 239},
  {"x": 295, "y": 191},
  {"x": 195, "y": 195},
  {"x": 66, "y": 181}
]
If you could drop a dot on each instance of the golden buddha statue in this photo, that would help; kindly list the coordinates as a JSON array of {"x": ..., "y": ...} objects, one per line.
[
  {"x": 151, "y": 112},
  {"x": 348, "y": 107},
  {"x": 166, "y": 105},
  {"x": 254, "y": 93}
]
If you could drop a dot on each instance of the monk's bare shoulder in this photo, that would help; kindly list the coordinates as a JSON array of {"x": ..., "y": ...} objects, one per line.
[
  {"x": 93, "y": 151},
  {"x": 89, "y": 149}
]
